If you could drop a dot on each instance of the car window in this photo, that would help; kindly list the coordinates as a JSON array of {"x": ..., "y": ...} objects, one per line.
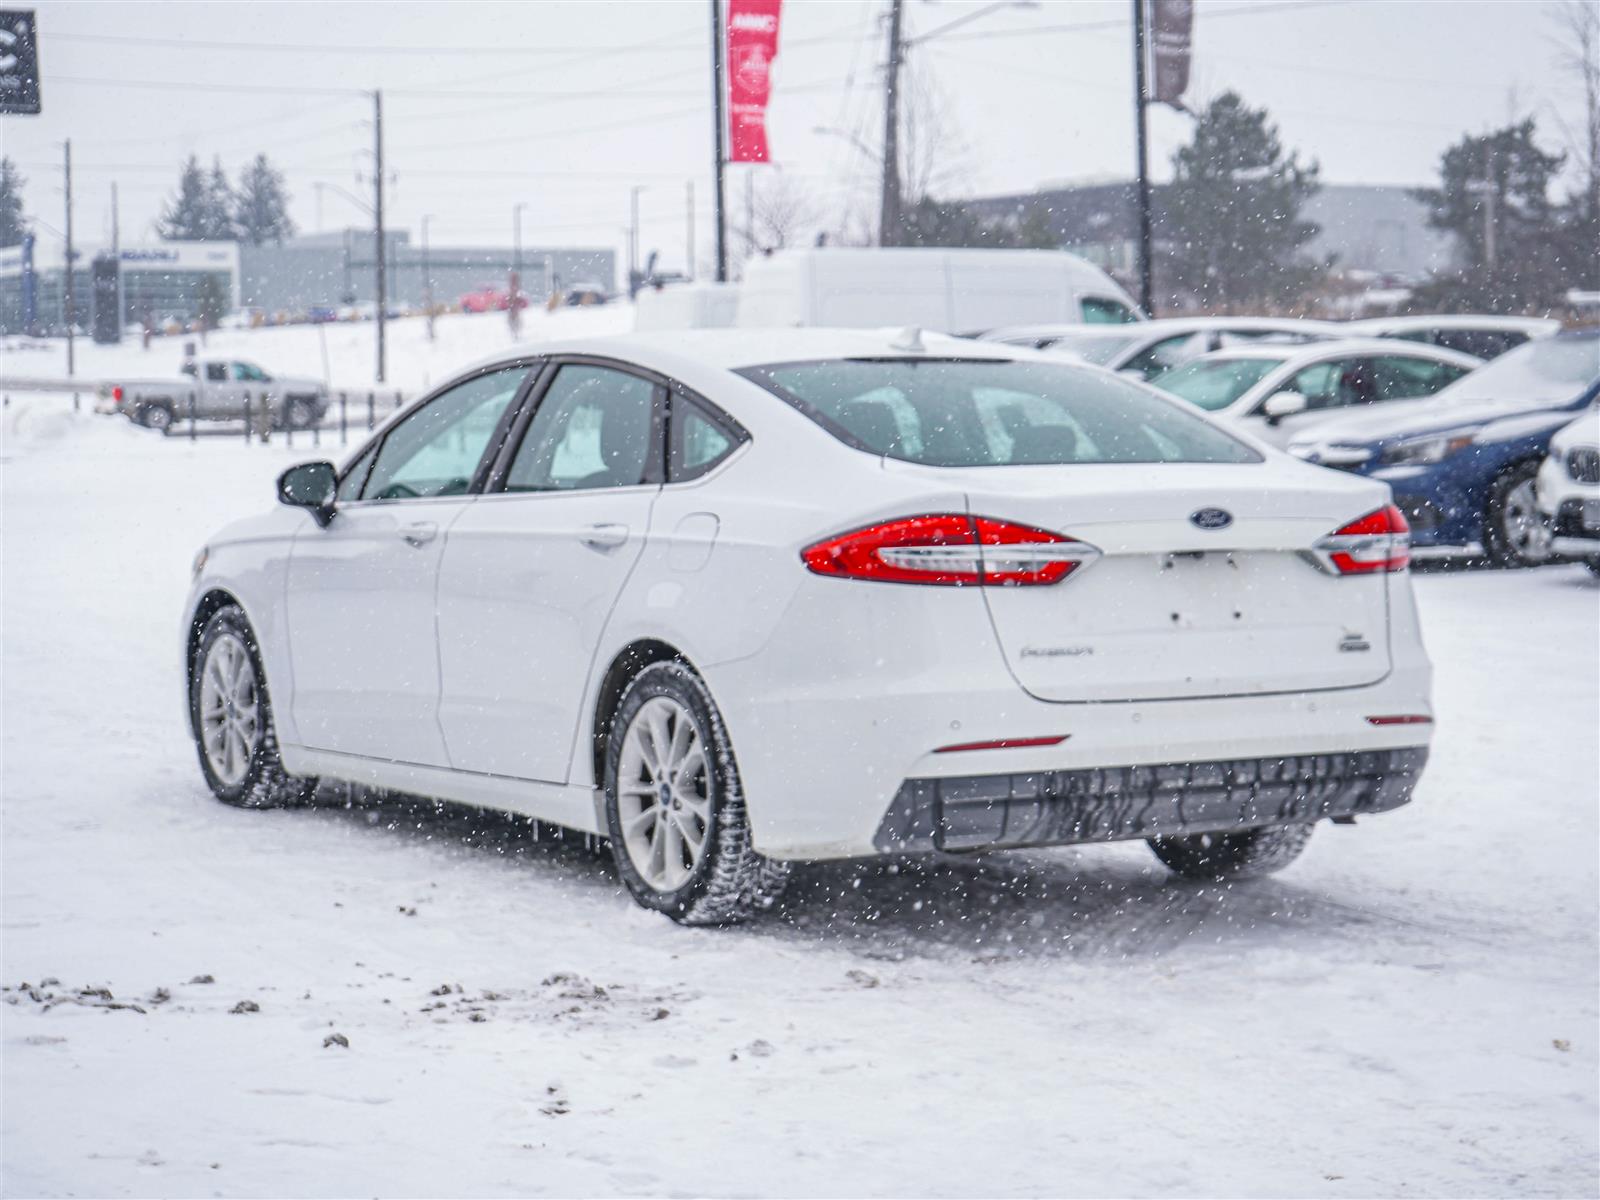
[
  {"x": 1480, "y": 343},
  {"x": 1166, "y": 354},
  {"x": 1329, "y": 384},
  {"x": 187, "y": 369},
  {"x": 1215, "y": 383},
  {"x": 1098, "y": 310},
  {"x": 594, "y": 429},
  {"x": 697, "y": 442},
  {"x": 249, "y": 373},
  {"x": 982, "y": 413},
  {"x": 436, "y": 450},
  {"x": 216, "y": 372},
  {"x": 1399, "y": 377},
  {"x": 350, "y": 485}
]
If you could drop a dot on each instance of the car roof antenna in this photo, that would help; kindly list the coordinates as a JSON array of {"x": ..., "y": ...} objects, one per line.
[{"x": 908, "y": 339}]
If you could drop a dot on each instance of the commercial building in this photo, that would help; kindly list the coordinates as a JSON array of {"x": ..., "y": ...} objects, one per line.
[
  {"x": 330, "y": 269},
  {"x": 1382, "y": 231},
  {"x": 158, "y": 280}
]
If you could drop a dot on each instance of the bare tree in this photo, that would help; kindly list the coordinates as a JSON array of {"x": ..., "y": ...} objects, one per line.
[
  {"x": 934, "y": 157},
  {"x": 781, "y": 213},
  {"x": 1577, "y": 41}
]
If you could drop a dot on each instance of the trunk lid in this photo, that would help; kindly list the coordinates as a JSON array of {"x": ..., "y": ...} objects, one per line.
[{"x": 1172, "y": 609}]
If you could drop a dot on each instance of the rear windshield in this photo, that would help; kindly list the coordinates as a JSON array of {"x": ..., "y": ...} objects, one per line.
[
  {"x": 976, "y": 413},
  {"x": 1548, "y": 371},
  {"x": 1215, "y": 383}
]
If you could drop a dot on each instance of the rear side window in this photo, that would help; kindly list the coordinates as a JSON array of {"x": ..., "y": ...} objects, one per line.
[
  {"x": 1481, "y": 343},
  {"x": 698, "y": 440},
  {"x": 595, "y": 428},
  {"x": 976, "y": 413}
]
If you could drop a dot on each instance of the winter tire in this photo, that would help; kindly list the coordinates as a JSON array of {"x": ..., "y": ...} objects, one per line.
[
  {"x": 1514, "y": 532},
  {"x": 675, "y": 811},
  {"x": 230, "y": 715},
  {"x": 156, "y": 415},
  {"x": 300, "y": 413},
  {"x": 1242, "y": 855}
]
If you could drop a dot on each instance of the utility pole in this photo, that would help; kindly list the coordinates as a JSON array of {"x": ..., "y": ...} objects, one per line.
[
  {"x": 634, "y": 264},
  {"x": 688, "y": 234},
  {"x": 717, "y": 93},
  {"x": 514, "y": 291},
  {"x": 1146, "y": 287},
  {"x": 889, "y": 217},
  {"x": 71, "y": 306},
  {"x": 427, "y": 275},
  {"x": 377, "y": 213},
  {"x": 116, "y": 256}
]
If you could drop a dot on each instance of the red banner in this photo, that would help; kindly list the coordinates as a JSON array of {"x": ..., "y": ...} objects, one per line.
[
  {"x": 1171, "y": 30},
  {"x": 752, "y": 47}
]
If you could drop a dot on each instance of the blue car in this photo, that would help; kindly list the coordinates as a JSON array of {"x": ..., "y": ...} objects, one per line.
[{"x": 1462, "y": 462}]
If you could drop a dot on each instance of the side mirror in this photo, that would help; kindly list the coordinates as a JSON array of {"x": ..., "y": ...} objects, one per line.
[
  {"x": 311, "y": 486},
  {"x": 1283, "y": 404}
]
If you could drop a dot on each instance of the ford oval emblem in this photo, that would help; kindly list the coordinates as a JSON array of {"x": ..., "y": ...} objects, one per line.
[{"x": 1211, "y": 518}]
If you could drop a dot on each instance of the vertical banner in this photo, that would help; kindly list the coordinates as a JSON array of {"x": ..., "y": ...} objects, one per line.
[
  {"x": 1171, "y": 29},
  {"x": 752, "y": 46}
]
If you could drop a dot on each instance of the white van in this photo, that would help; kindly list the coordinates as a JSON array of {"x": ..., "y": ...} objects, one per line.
[
  {"x": 949, "y": 291},
  {"x": 686, "y": 306}
]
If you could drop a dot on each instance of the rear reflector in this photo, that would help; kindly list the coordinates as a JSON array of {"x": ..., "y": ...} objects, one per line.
[
  {"x": 950, "y": 549},
  {"x": 1377, "y": 542},
  {"x": 1004, "y": 744},
  {"x": 1404, "y": 719}
]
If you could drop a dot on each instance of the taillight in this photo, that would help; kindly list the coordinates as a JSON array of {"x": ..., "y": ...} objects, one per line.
[
  {"x": 116, "y": 395},
  {"x": 1379, "y": 541},
  {"x": 950, "y": 549}
]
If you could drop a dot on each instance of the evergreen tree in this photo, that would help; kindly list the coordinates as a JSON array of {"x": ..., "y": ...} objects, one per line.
[
  {"x": 1494, "y": 197},
  {"x": 1232, "y": 228},
  {"x": 219, "y": 205},
  {"x": 261, "y": 205},
  {"x": 185, "y": 217},
  {"x": 13, "y": 225}
]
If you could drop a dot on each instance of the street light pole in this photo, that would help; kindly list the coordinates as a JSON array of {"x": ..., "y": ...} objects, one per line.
[
  {"x": 889, "y": 212},
  {"x": 633, "y": 240},
  {"x": 1140, "y": 109},
  {"x": 427, "y": 274},
  {"x": 377, "y": 211},
  {"x": 514, "y": 297},
  {"x": 718, "y": 141},
  {"x": 71, "y": 306}
]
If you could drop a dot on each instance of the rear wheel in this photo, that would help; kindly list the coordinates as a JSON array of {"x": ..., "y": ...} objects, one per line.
[
  {"x": 156, "y": 415},
  {"x": 1515, "y": 533},
  {"x": 231, "y": 718},
  {"x": 675, "y": 810},
  {"x": 1242, "y": 855}
]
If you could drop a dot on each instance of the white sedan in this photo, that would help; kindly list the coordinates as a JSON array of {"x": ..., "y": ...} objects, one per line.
[
  {"x": 1144, "y": 349},
  {"x": 732, "y": 599},
  {"x": 1277, "y": 391}
]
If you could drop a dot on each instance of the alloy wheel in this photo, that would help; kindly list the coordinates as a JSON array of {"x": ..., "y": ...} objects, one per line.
[
  {"x": 1525, "y": 529},
  {"x": 230, "y": 709},
  {"x": 663, "y": 794}
]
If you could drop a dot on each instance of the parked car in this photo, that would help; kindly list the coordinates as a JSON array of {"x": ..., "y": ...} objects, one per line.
[
  {"x": 1480, "y": 336},
  {"x": 489, "y": 298},
  {"x": 1278, "y": 392},
  {"x": 1568, "y": 489},
  {"x": 219, "y": 389},
  {"x": 1148, "y": 348},
  {"x": 1462, "y": 465},
  {"x": 948, "y": 290},
  {"x": 1033, "y": 604}
]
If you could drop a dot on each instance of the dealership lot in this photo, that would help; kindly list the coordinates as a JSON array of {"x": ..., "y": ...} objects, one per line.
[{"x": 1412, "y": 1006}]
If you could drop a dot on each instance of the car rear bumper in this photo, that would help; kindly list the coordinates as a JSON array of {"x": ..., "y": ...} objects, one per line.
[{"x": 1047, "y": 808}]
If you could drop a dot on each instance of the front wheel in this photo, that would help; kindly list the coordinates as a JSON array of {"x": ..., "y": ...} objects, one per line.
[
  {"x": 675, "y": 810},
  {"x": 1515, "y": 533},
  {"x": 1243, "y": 855},
  {"x": 230, "y": 716},
  {"x": 157, "y": 416}
]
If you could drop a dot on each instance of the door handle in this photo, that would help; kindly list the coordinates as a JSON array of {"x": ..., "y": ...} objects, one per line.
[
  {"x": 605, "y": 536},
  {"x": 419, "y": 533}
]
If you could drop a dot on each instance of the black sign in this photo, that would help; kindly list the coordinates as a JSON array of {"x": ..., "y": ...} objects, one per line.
[
  {"x": 19, "y": 62},
  {"x": 106, "y": 325},
  {"x": 1171, "y": 29}
]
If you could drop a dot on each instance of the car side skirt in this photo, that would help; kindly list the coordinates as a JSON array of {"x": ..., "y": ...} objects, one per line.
[{"x": 574, "y": 806}]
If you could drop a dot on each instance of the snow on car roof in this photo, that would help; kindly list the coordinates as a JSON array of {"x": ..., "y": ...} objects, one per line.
[
  {"x": 1368, "y": 345},
  {"x": 1529, "y": 325}
]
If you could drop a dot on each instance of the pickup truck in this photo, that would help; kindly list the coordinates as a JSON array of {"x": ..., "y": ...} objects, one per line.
[{"x": 220, "y": 388}]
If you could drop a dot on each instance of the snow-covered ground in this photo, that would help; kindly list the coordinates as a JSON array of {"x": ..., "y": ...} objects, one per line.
[{"x": 1409, "y": 1010}]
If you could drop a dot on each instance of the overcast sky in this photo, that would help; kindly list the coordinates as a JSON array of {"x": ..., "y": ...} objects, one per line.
[{"x": 563, "y": 105}]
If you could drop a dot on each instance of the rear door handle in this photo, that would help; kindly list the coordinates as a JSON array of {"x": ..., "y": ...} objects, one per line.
[
  {"x": 419, "y": 533},
  {"x": 605, "y": 536}
]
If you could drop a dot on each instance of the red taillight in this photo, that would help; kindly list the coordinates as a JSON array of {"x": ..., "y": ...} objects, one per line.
[
  {"x": 116, "y": 395},
  {"x": 950, "y": 549},
  {"x": 1401, "y": 719},
  {"x": 1379, "y": 541}
]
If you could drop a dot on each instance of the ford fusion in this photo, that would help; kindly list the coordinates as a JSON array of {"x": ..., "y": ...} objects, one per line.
[{"x": 737, "y": 599}]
